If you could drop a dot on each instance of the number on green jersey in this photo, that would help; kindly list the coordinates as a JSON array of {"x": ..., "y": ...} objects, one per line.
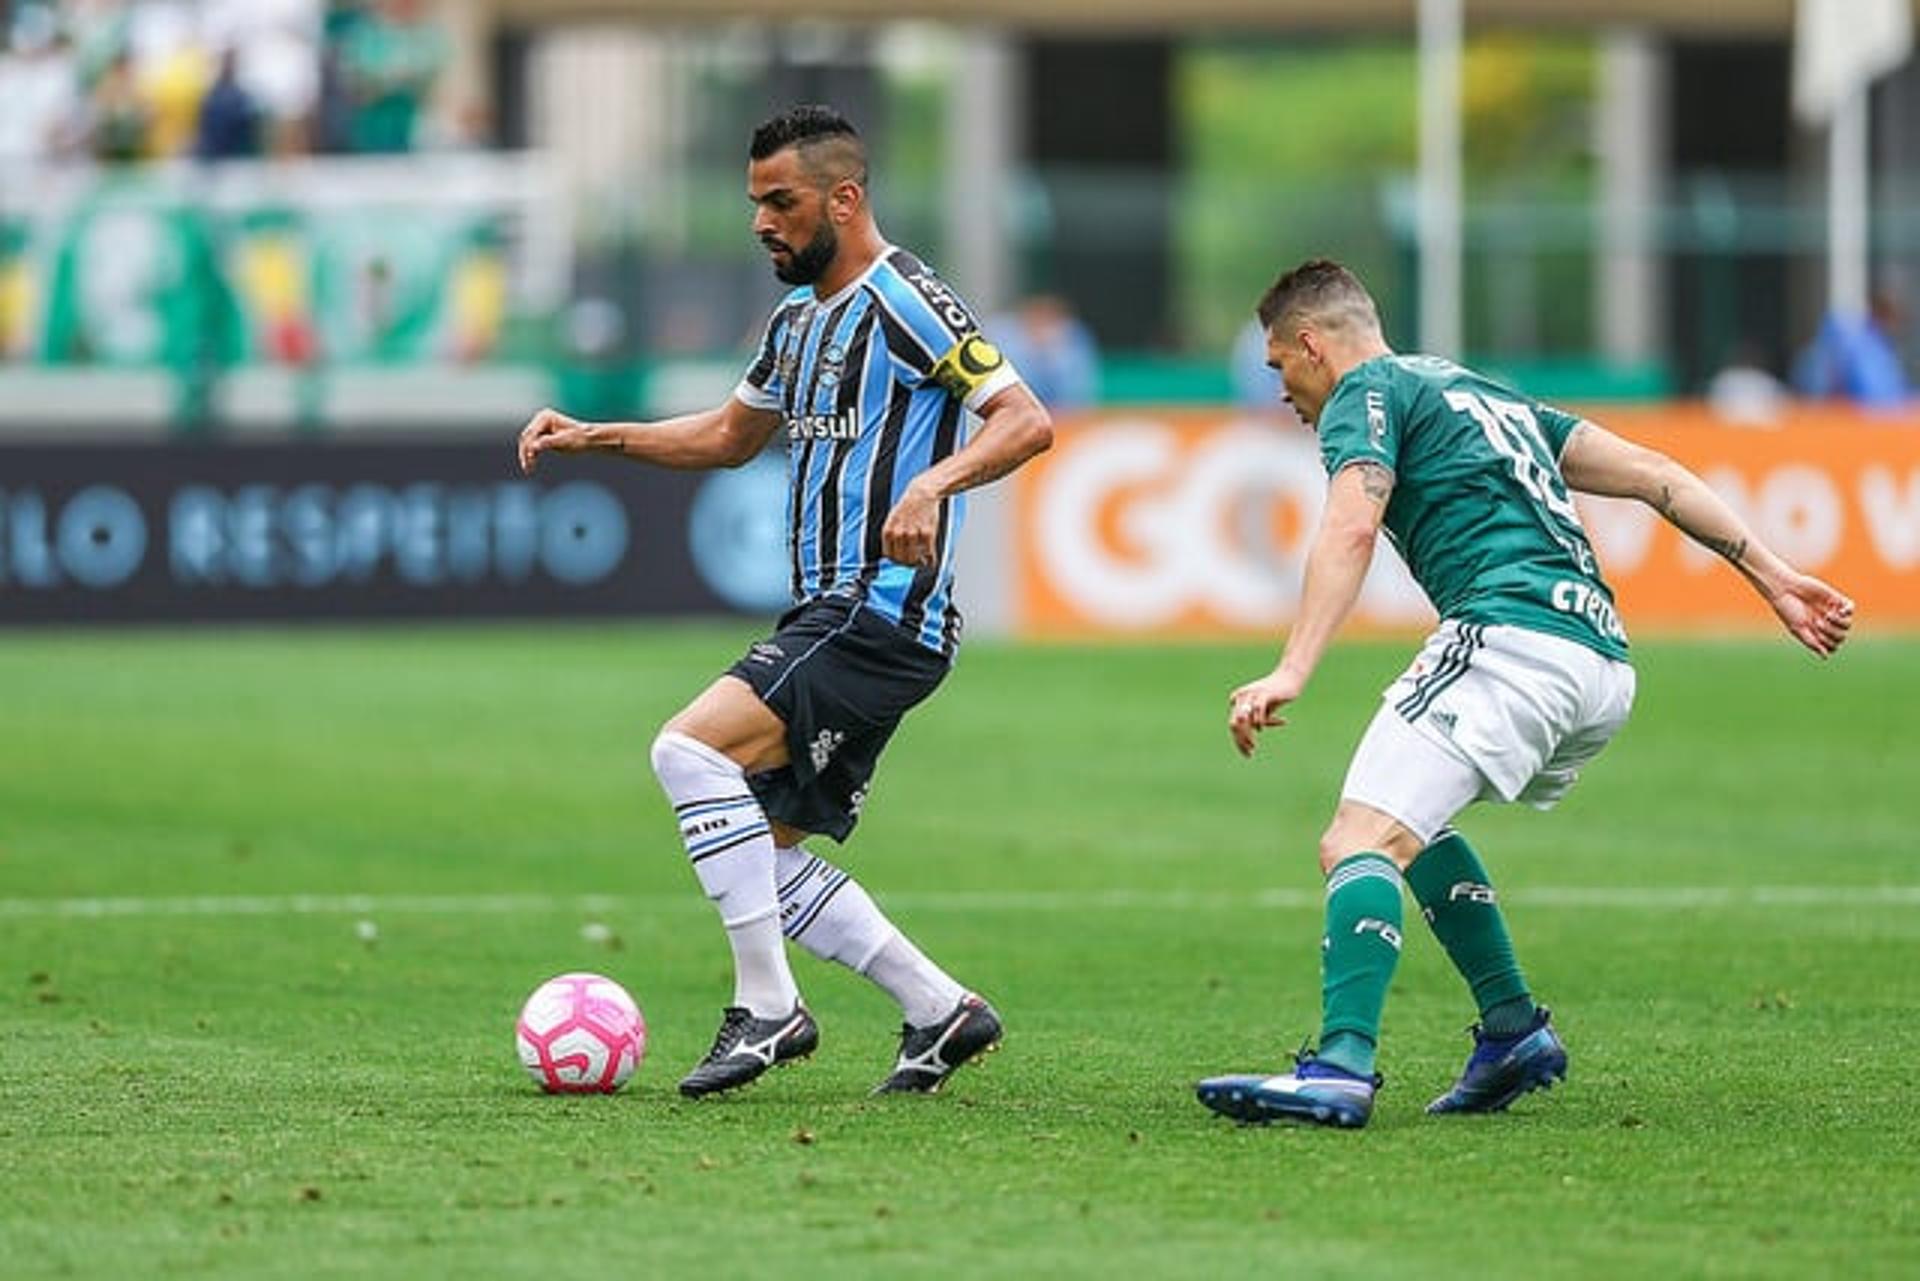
[{"x": 1510, "y": 428}]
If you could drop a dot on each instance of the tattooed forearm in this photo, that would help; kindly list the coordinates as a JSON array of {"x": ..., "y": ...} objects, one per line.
[
  {"x": 1376, "y": 482},
  {"x": 1730, "y": 542},
  {"x": 1734, "y": 549},
  {"x": 971, "y": 473},
  {"x": 1011, "y": 433}
]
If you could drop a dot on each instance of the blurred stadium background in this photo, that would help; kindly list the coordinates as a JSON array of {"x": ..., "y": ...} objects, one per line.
[{"x": 280, "y": 278}]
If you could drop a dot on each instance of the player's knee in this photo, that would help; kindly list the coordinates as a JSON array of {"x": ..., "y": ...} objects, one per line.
[
  {"x": 665, "y": 746},
  {"x": 1365, "y": 831},
  {"x": 787, "y": 839},
  {"x": 1334, "y": 846},
  {"x": 675, "y": 753},
  {"x": 665, "y": 750}
]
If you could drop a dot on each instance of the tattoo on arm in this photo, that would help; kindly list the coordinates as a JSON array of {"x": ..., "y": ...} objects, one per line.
[
  {"x": 1376, "y": 482},
  {"x": 1734, "y": 549},
  {"x": 985, "y": 471}
]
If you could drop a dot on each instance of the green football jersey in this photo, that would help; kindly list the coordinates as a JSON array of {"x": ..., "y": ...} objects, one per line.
[{"x": 1479, "y": 511}]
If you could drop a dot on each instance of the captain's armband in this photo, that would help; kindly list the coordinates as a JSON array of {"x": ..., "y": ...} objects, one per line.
[{"x": 968, "y": 365}]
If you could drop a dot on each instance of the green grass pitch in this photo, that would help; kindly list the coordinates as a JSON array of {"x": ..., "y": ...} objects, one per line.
[{"x": 196, "y": 1080}]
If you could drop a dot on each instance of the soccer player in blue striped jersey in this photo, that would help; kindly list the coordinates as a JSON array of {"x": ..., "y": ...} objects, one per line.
[
  {"x": 873, "y": 382},
  {"x": 893, "y": 406}
]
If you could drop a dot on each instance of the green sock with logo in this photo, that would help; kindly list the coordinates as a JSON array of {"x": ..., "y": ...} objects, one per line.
[
  {"x": 1453, "y": 891},
  {"x": 1361, "y": 947}
]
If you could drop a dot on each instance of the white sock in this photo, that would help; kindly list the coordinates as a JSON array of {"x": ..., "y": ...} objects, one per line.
[
  {"x": 826, "y": 911},
  {"x": 731, "y": 848},
  {"x": 926, "y": 992}
]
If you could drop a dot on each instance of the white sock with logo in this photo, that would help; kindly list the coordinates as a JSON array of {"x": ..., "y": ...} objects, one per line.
[
  {"x": 731, "y": 848},
  {"x": 826, "y": 911}
]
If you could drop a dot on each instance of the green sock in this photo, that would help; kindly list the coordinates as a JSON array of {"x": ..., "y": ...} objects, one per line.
[
  {"x": 1358, "y": 955},
  {"x": 1453, "y": 891}
]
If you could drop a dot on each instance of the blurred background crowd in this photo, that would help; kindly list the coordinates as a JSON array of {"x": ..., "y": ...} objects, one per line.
[
  {"x": 123, "y": 82},
  {"x": 314, "y": 212}
]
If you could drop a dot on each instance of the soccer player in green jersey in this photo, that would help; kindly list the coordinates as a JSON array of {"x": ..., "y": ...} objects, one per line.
[{"x": 1523, "y": 682}]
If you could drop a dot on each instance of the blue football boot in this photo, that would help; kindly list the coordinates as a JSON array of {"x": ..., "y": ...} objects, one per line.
[
  {"x": 1501, "y": 1069},
  {"x": 1314, "y": 1093}
]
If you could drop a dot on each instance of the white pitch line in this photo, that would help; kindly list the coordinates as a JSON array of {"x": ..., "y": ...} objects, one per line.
[
  {"x": 310, "y": 905},
  {"x": 1603, "y": 898}
]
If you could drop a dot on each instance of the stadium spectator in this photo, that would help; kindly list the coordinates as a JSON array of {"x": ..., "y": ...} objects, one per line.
[
  {"x": 174, "y": 77},
  {"x": 1053, "y": 349},
  {"x": 390, "y": 61},
  {"x": 1255, "y": 384},
  {"x": 1857, "y": 358},
  {"x": 229, "y": 121},
  {"x": 1522, "y": 685},
  {"x": 117, "y": 114},
  {"x": 278, "y": 64},
  {"x": 866, "y": 391},
  {"x": 40, "y": 87},
  {"x": 1745, "y": 392},
  {"x": 332, "y": 129},
  {"x": 334, "y": 110}
]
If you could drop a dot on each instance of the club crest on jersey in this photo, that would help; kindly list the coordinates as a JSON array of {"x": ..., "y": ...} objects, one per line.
[{"x": 833, "y": 359}]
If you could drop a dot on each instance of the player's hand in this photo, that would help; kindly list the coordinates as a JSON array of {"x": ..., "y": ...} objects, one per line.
[
  {"x": 1256, "y": 706},
  {"x": 550, "y": 430},
  {"x": 1817, "y": 615},
  {"x": 911, "y": 535}
]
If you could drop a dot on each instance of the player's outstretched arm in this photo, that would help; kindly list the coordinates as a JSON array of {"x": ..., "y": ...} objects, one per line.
[
  {"x": 1596, "y": 461},
  {"x": 725, "y": 437},
  {"x": 1337, "y": 565},
  {"x": 1014, "y": 426}
]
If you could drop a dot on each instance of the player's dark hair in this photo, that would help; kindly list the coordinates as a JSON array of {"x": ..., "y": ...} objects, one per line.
[
  {"x": 829, "y": 145},
  {"x": 1321, "y": 290}
]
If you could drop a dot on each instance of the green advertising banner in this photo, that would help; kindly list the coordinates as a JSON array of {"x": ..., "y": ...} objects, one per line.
[{"x": 136, "y": 275}]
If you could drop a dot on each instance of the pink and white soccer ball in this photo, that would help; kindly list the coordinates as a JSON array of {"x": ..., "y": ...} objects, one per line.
[{"x": 581, "y": 1034}]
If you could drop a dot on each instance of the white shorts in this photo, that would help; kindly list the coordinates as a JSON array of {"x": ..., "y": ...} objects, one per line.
[{"x": 1487, "y": 713}]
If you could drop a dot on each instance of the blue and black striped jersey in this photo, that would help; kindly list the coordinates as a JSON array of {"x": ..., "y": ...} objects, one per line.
[{"x": 877, "y": 384}]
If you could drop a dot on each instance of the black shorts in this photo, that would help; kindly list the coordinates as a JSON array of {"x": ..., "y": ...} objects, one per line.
[{"x": 841, "y": 677}]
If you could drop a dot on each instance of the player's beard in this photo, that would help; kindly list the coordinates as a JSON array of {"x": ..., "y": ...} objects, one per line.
[{"x": 810, "y": 262}]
